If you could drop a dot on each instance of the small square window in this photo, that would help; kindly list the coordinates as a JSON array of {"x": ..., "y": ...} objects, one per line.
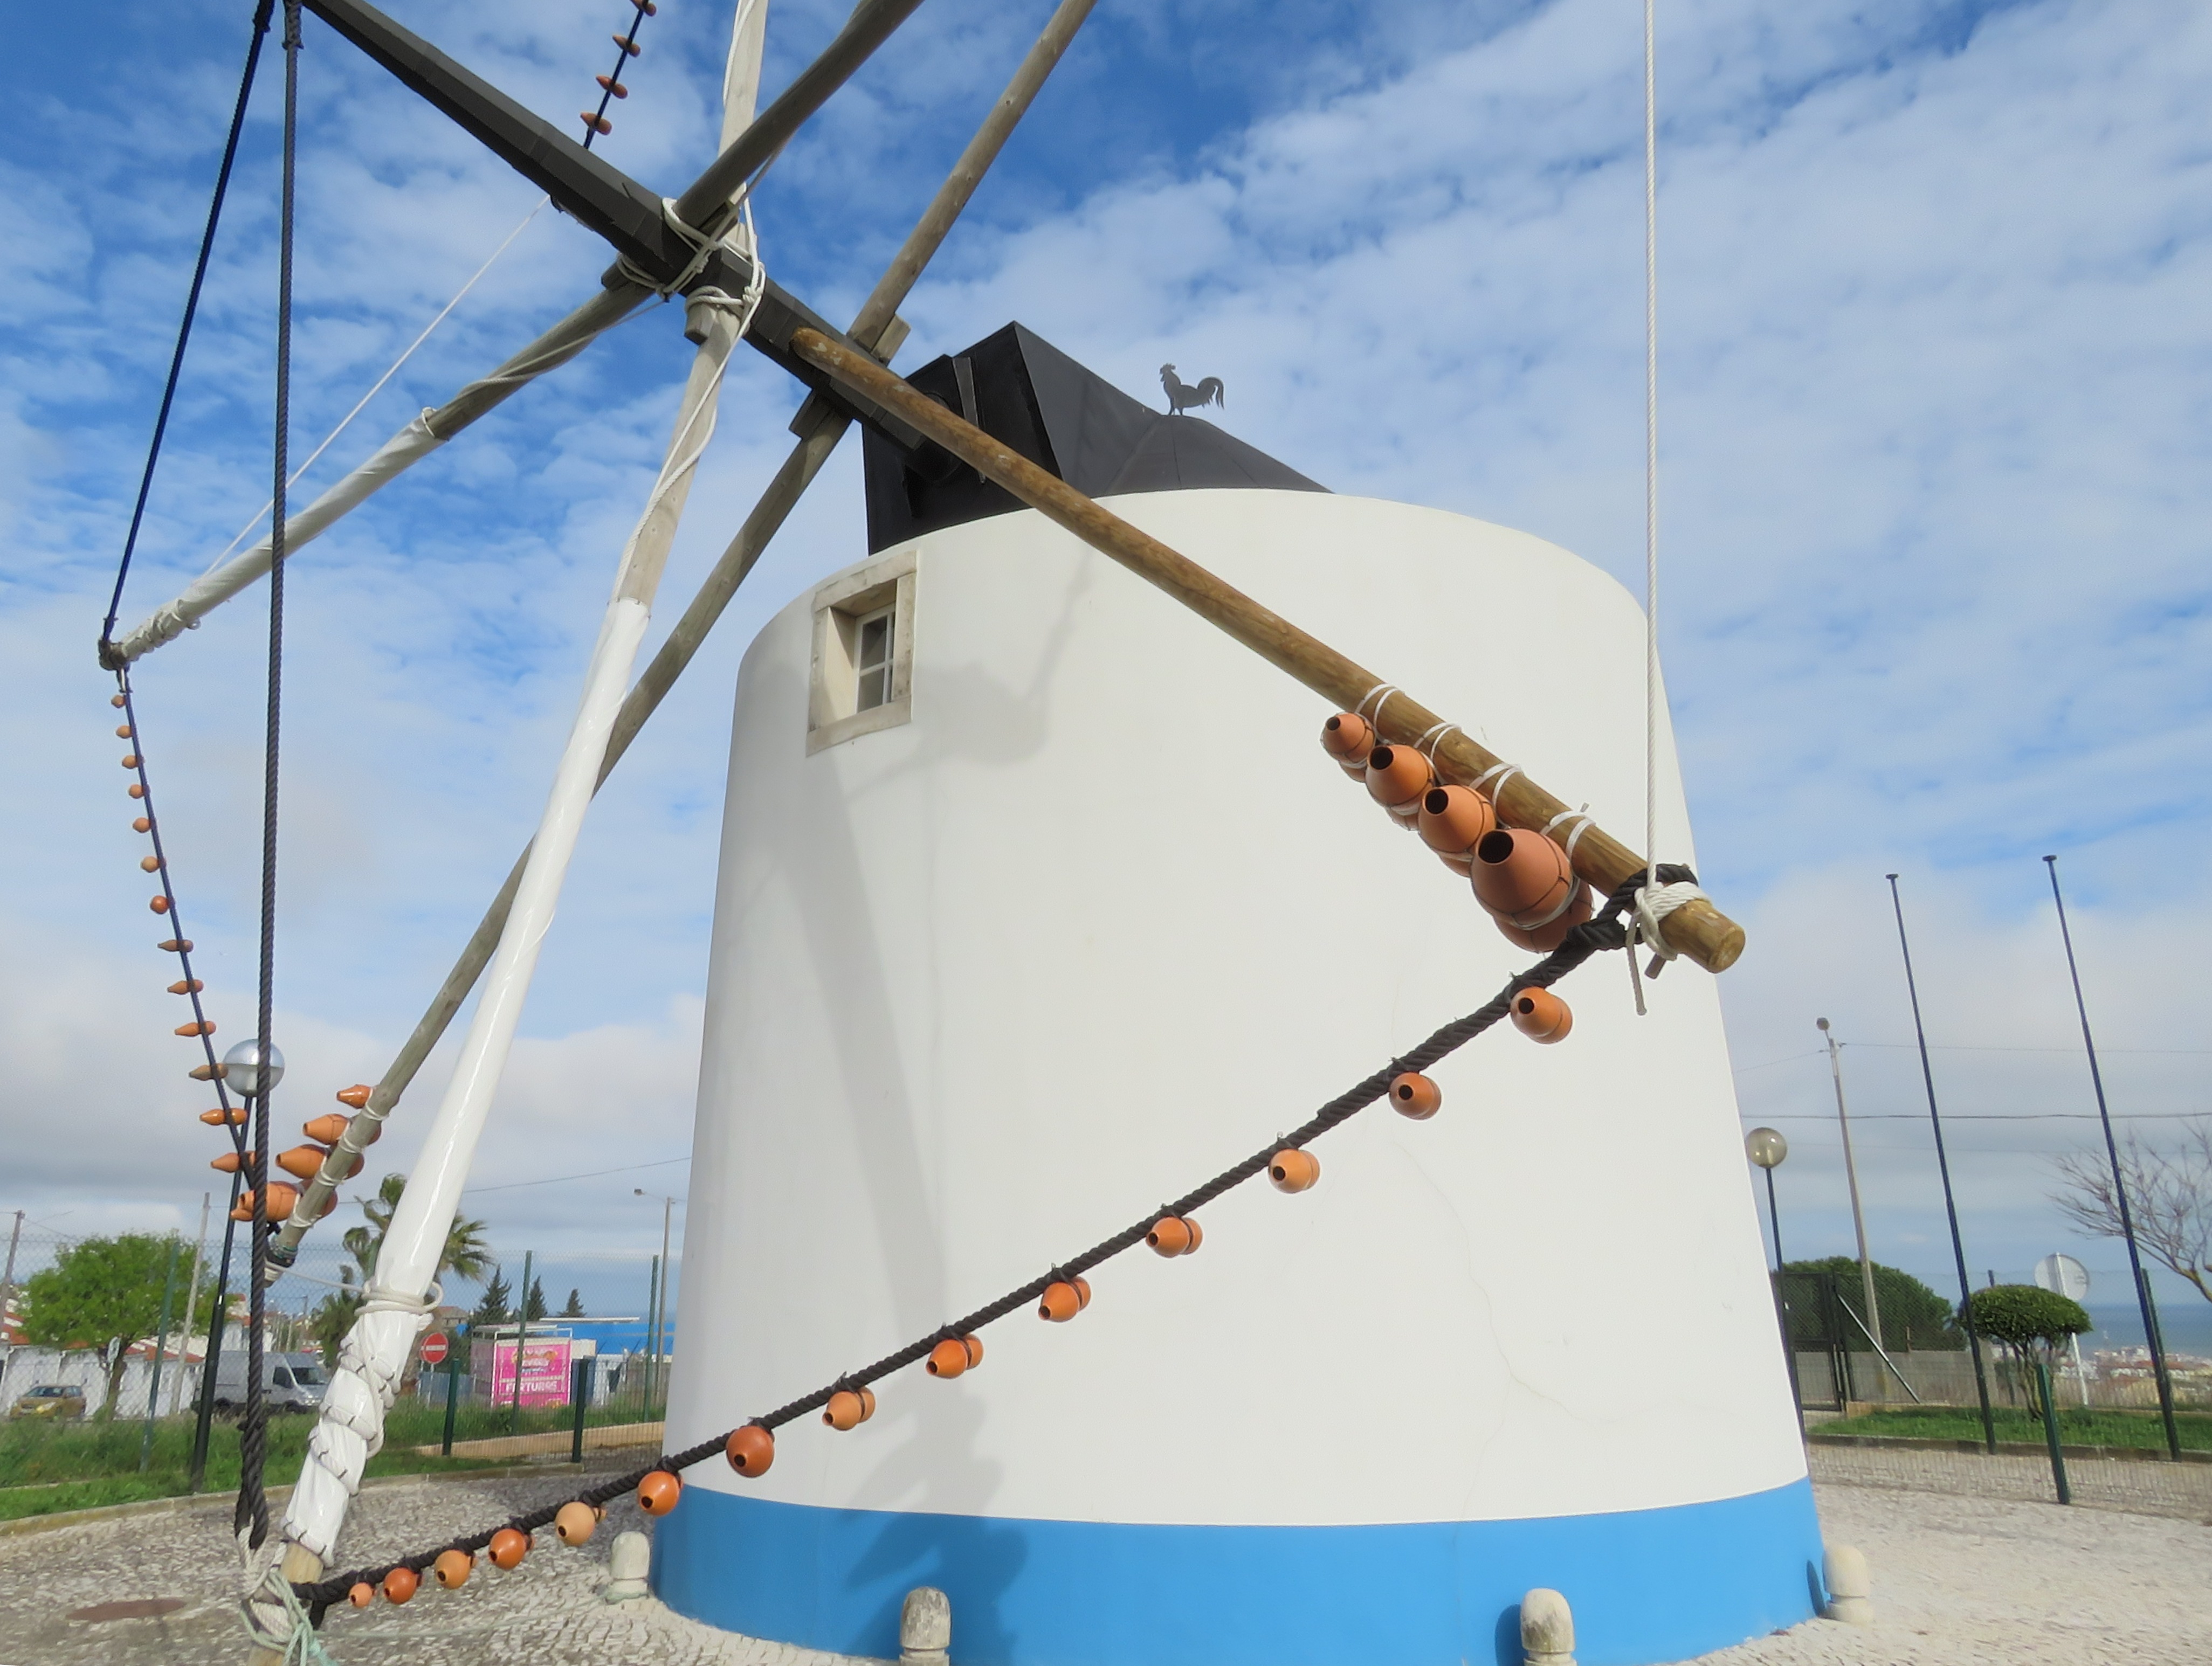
[
  {"x": 874, "y": 667},
  {"x": 863, "y": 661}
]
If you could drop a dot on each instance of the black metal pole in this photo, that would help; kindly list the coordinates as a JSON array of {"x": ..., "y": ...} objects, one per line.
[
  {"x": 454, "y": 1388},
  {"x": 2051, "y": 1433},
  {"x": 579, "y": 1391},
  {"x": 1782, "y": 1309},
  {"x": 1774, "y": 1220},
  {"x": 218, "y": 1322},
  {"x": 2119, "y": 1183},
  {"x": 161, "y": 1346},
  {"x": 1943, "y": 1167}
]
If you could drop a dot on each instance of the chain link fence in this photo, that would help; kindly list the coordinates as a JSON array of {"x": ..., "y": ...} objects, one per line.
[{"x": 1912, "y": 1418}]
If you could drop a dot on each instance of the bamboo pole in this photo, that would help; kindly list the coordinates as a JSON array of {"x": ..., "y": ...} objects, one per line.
[
  {"x": 877, "y": 327},
  {"x": 1698, "y": 931}
]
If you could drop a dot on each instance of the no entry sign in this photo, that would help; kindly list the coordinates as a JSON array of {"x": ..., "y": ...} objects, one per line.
[{"x": 433, "y": 1348}]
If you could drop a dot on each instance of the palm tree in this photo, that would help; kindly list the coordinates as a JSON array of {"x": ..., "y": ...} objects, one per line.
[{"x": 467, "y": 1253}]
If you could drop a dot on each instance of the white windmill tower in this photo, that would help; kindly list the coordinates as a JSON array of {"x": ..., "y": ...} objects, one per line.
[{"x": 1036, "y": 905}]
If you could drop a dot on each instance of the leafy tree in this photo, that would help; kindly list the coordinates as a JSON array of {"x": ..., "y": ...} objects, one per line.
[
  {"x": 105, "y": 1294},
  {"x": 574, "y": 1310},
  {"x": 533, "y": 1304},
  {"x": 491, "y": 1307},
  {"x": 2169, "y": 1197},
  {"x": 2029, "y": 1322},
  {"x": 1912, "y": 1315},
  {"x": 332, "y": 1318},
  {"x": 466, "y": 1254}
]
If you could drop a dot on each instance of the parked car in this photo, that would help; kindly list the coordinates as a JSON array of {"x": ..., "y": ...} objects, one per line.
[
  {"x": 290, "y": 1382},
  {"x": 53, "y": 1400}
]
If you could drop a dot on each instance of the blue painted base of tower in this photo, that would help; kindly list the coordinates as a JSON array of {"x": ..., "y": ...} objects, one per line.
[{"x": 1646, "y": 1585}]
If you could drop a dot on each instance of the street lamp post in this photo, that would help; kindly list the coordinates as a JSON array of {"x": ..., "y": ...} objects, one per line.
[
  {"x": 1766, "y": 1148},
  {"x": 2119, "y": 1184},
  {"x": 1851, "y": 1178}
]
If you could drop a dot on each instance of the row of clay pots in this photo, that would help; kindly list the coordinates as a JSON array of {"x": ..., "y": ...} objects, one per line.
[
  {"x": 574, "y": 1522},
  {"x": 1522, "y": 878},
  {"x": 1536, "y": 1013},
  {"x": 306, "y": 1161}
]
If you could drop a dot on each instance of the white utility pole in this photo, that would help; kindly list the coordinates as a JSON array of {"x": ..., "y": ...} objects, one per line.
[
  {"x": 1852, "y": 1176},
  {"x": 191, "y": 1301}
]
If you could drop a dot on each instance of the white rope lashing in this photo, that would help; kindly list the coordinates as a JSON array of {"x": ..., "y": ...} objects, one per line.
[
  {"x": 377, "y": 387},
  {"x": 1645, "y": 916}
]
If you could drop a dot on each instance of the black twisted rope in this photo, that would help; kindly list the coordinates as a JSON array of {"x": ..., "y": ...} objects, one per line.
[
  {"x": 1601, "y": 932},
  {"x": 182, "y": 947},
  {"x": 625, "y": 49},
  {"x": 253, "y": 1500},
  {"x": 108, "y": 655}
]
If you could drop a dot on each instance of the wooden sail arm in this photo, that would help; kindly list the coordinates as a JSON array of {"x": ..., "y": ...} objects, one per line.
[
  {"x": 1698, "y": 931},
  {"x": 629, "y": 215}
]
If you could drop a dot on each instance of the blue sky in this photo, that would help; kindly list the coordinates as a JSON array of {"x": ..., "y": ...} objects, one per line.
[{"x": 1934, "y": 378}]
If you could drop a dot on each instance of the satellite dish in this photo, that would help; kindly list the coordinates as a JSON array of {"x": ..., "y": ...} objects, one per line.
[{"x": 2064, "y": 1275}]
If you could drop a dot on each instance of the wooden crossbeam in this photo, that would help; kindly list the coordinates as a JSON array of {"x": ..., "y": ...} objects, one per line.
[
  {"x": 629, "y": 215},
  {"x": 1698, "y": 931}
]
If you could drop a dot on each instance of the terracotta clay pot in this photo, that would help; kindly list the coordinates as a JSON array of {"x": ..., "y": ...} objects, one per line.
[
  {"x": 1397, "y": 776},
  {"x": 283, "y": 1200},
  {"x": 1520, "y": 875},
  {"x": 1348, "y": 738},
  {"x": 749, "y": 1450},
  {"x": 1172, "y": 1234},
  {"x": 1545, "y": 938},
  {"x": 973, "y": 1345},
  {"x": 324, "y": 1130},
  {"x": 453, "y": 1567},
  {"x": 1293, "y": 1170},
  {"x": 848, "y": 1408},
  {"x": 1414, "y": 1095},
  {"x": 509, "y": 1547},
  {"x": 658, "y": 1492},
  {"x": 401, "y": 1584},
  {"x": 574, "y": 1522},
  {"x": 1062, "y": 1302},
  {"x": 215, "y": 1119},
  {"x": 1542, "y": 1015},
  {"x": 356, "y": 1096},
  {"x": 947, "y": 1359},
  {"x": 1453, "y": 820},
  {"x": 307, "y": 1160},
  {"x": 230, "y": 1162},
  {"x": 362, "y": 1595}
]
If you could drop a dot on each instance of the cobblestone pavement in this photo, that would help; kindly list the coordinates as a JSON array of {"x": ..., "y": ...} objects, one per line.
[
  {"x": 547, "y": 1612},
  {"x": 1957, "y": 1582}
]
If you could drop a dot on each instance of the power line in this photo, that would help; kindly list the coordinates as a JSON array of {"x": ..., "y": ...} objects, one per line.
[
  {"x": 558, "y": 1179},
  {"x": 1981, "y": 1116}
]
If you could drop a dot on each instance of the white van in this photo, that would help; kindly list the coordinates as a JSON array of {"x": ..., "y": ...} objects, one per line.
[{"x": 290, "y": 1382}]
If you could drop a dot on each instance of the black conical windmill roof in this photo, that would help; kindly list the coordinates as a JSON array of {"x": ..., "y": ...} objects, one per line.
[{"x": 1021, "y": 389}]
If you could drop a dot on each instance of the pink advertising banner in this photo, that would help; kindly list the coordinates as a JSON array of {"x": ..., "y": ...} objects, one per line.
[{"x": 545, "y": 1372}]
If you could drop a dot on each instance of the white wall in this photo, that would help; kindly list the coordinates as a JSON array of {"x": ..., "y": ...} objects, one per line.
[{"x": 1102, "y": 919}]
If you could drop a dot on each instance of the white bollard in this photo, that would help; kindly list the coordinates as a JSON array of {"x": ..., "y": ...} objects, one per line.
[
  {"x": 629, "y": 1561},
  {"x": 1850, "y": 1592},
  {"x": 925, "y": 1627},
  {"x": 1548, "y": 1629}
]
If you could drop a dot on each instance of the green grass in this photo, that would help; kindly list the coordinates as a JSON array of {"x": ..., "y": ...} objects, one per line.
[
  {"x": 47, "y": 1467},
  {"x": 2095, "y": 1427}
]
